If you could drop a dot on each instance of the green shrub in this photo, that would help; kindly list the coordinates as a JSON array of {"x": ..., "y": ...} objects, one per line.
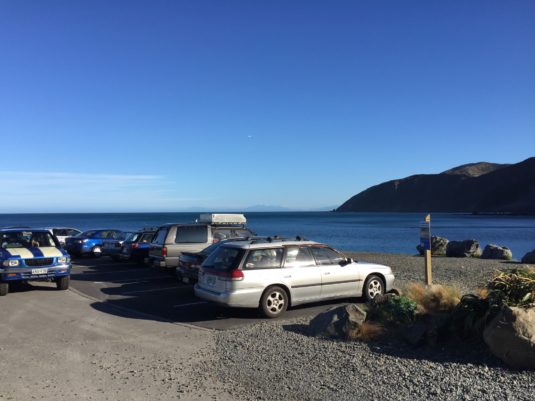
[
  {"x": 393, "y": 310},
  {"x": 515, "y": 287}
]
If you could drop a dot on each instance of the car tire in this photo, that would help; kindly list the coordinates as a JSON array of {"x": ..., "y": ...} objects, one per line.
[
  {"x": 96, "y": 251},
  {"x": 373, "y": 286},
  {"x": 62, "y": 283},
  {"x": 4, "y": 289},
  {"x": 274, "y": 302}
]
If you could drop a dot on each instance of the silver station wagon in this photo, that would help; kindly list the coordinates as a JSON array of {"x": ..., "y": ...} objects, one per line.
[{"x": 274, "y": 274}]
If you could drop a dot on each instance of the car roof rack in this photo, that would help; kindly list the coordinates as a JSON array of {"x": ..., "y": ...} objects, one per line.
[
  {"x": 276, "y": 238},
  {"x": 222, "y": 218}
]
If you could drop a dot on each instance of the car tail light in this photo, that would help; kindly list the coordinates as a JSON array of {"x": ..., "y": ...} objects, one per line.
[
  {"x": 233, "y": 275},
  {"x": 134, "y": 246},
  {"x": 164, "y": 251}
]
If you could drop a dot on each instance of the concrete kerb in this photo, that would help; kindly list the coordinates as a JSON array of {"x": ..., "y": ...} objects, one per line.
[{"x": 141, "y": 315}]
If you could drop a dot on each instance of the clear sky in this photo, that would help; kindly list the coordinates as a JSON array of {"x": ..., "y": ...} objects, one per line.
[{"x": 168, "y": 105}]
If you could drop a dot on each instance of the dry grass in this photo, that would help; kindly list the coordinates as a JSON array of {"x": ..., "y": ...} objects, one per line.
[
  {"x": 367, "y": 331},
  {"x": 482, "y": 293},
  {"x": 434, "y": 298}
]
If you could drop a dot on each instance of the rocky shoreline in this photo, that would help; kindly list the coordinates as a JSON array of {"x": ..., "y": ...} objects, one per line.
[{"x": 280, "y": 360}]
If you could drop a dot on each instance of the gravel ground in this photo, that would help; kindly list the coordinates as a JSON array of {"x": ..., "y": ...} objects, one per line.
[
  {"x": 465, "y": 273},
  {"x": 278, "y": 360}
]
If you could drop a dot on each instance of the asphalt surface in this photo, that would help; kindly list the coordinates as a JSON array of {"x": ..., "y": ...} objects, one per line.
[{"x": 158, "y": 295}]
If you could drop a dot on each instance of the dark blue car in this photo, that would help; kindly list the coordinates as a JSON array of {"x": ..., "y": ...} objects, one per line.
[
  {"x": 32, "y": 254},
  {"x": 90, "y": 242},
  {"x": 136, "y": 247}
]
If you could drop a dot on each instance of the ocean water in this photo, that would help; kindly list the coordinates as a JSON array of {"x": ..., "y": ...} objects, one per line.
[{"x": 373, "y": 232}]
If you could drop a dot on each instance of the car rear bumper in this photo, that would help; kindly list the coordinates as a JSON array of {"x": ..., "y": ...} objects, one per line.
[
  {"x": 78, "y": 249},
  {"x": 191, "y": 274},
  {"x": 163, "y": 263},
  {"x": 247, "y": 298}
]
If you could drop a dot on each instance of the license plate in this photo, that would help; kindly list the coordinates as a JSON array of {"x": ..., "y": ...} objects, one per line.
[
  {"x": 40, "y": 271},
  {"x": 185, "y": 280}
]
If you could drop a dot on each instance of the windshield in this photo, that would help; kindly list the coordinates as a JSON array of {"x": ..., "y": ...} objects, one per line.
[
  {"x": 26, "y": 239},
  {"x": 224, "y": 259},
  {"x": 89, "y": 234}
]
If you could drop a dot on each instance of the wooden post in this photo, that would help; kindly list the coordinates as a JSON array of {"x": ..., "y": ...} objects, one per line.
[
  {"x": 428, "y": 268},
  {"x": 425, "y": 243}
]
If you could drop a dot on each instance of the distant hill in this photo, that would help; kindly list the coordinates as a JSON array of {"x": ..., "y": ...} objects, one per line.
[{"x": 471, "y": 188}]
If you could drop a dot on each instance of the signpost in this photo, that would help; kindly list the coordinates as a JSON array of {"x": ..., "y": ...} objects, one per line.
[{"x": 425, "y": 243}]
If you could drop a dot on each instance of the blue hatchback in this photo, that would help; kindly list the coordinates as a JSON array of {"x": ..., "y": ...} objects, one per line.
[
  {"x": 90, "y": 242},
  {"x": 32, "y": 254}
]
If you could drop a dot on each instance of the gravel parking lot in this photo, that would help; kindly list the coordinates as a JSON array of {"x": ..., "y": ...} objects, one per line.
[
  {"x": 101, "y": 352},
  {"x": 278, "y": 360}
]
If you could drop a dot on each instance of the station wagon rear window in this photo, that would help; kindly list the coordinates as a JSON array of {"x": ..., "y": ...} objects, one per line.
[
  {"x": 224, "y": 259},
  {"x": 191, "y": 234}
]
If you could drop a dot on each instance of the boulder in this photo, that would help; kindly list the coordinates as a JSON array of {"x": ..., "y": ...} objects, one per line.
[
  {"x": 338, "y": 322},
  {"x": 492, "y": 251},
  {"x": 462, "y": 249},
  {"x": 438, "y": 246},
  {"x": 511, "y": 337},
  {"x": 529, "y": 257}
]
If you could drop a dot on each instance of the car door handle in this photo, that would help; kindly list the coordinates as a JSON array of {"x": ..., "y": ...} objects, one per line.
[
  {"x": 287, "y": 277},
  {"x": 326, "y": 273}
]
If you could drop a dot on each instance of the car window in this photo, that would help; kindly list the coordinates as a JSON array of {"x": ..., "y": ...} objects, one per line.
[
  {"x": 59, "y": 231},
  {"x": 243, "y": 233},
  {"x": 72, "y": 232},
  {"x": 224, "y": 259},
  {"x": 25, "y": 239},
  {"x": 264, "y": 258},
  {"x": 89, "y": 234},
  {"x": 191, "y": 234},
  {"x": 147, "y": 237},
  {"x": 326, "y": 256},
  {"x": 221, "y": 234},
  {"x": 298, "y": 257},
  {"x": 160, "y": 236}
]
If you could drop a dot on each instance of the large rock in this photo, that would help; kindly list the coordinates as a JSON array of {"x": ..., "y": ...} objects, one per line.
[
  {"x": 529, "y": 257},
  {"x": 438, "y": 246},
  {"x": 492, "y": 251},
  {"x": 462, "y": 249},
  {"x": 337, "y": 322},
  {"x": 511, "y": 337}
]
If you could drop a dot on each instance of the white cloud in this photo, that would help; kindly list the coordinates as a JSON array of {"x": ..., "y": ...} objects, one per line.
[{"x": 64, "y": 191}]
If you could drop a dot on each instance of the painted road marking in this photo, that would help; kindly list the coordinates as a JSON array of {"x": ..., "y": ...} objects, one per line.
[{"x": 152, "y": 290}]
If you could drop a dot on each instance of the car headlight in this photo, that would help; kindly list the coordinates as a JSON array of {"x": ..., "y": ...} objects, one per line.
[
  {"x": 64, "y": 259},
  {"x": 11, "y": 262}
]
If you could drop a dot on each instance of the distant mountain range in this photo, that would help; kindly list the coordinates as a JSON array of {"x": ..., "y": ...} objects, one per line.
[{"x": 470, "y": 188}]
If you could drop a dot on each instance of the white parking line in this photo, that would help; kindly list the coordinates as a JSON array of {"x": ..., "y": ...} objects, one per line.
[
  {"x": 190, "y": 304},
  {"x": 86, "y": 273},
  {"x": 142, "y": 279},
  {"x": 152, "y": 290}
]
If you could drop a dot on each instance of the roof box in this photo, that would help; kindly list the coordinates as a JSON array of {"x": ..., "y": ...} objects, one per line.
[{"x": 222, "y": 218}]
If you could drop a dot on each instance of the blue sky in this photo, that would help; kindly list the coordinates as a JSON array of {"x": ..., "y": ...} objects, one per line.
[{"x": 168, "y": 105}]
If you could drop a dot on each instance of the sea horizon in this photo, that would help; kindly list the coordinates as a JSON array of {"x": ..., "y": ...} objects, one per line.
[{"x": 384, "y": 232}]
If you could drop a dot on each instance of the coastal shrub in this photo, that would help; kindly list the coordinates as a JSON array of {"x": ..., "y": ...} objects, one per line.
[
  {"x": 393, "y": 310},
  {"x": 474, "y": 312},
  {"x": 515, "y": 287},
  {"x": 433, "y": 299},
  {"x": 367, "y": 331}
]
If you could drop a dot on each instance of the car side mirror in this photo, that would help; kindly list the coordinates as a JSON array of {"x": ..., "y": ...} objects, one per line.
[{"x": 346, "y": 261}]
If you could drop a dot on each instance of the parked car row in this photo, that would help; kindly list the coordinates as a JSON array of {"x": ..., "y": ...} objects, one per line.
[{"x": 224, "y": 260}]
